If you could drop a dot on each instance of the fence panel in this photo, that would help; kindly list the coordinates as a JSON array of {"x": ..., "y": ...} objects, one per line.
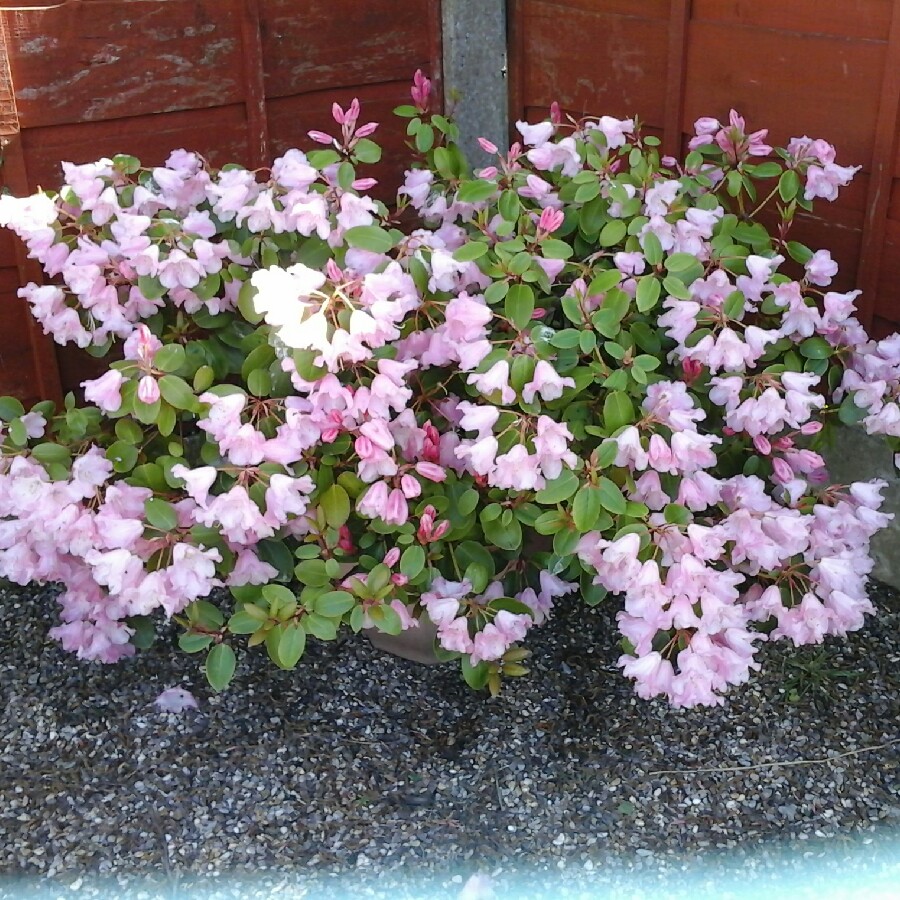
[
  {"x": 236, "y": 80},
  {"x": 823, "y": 69}
]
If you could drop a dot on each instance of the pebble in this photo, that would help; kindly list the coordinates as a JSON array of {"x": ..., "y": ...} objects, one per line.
[{"x": 367, "y": 771}]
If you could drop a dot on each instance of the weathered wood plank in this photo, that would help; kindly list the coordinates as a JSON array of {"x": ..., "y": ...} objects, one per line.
[
  {"x": 254, "y": 83},
  {"x": 593, "y": 61},
  {"x": 881, "y": 177},
  {"x": 105, "y": 59},
  {"x": 849, "y": 19},
  {"x": 338, "y": 43},
  {"x": 793, "y": 84}
]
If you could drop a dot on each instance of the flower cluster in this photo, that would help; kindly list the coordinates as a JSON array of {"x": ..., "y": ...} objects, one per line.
[{"x": 583, "y": 369}]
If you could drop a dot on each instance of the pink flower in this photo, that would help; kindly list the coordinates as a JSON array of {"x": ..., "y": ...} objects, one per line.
[
  {"x": 105, "y": 391},
  {"x": 545, "y": 382},
  {"x": 454, "y": 634},
  {"x": 175, "y": 700},
  {"x": 489, "y": 644},
  {"x": 821, "y": 268},
  {"x": 148, "y": 390}
]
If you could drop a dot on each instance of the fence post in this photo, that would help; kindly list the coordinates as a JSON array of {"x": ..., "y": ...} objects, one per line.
[{"x": 475, "y": 81}]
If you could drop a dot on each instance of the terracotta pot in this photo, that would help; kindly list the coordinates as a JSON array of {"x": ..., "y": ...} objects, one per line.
[{"x": 416, "y": 644}]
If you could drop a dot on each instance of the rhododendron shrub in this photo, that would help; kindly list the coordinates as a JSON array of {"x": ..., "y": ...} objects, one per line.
[{"x": 583, "y": 369}]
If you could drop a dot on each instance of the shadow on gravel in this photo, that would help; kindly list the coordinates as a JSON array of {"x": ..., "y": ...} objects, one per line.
[{"x": 366, "y": 766}]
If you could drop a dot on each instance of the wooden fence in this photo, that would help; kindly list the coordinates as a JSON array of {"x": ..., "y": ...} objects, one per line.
[
  {"x": 237, "y": 80},
  {"x": 245, "y": 79},
  {"x": 824, "y": 69}
]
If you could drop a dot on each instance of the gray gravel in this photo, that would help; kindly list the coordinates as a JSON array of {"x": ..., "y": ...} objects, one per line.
[{"x": 363, "y": 775}]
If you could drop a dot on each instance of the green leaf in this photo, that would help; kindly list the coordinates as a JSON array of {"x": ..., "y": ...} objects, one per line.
[
  {"x": 604, "y": 281},
  {"x": 169, "y": 358},
  {"x": 334, "y": 603},
  {"x": 612, "y": 233},
  {"x": 816, "y": 348},
  {"x": 386, "y": 619},
  {"x": 475, "y": 676},
  {"x": 676, "y": 514},
  {"x": 259, "y": 383},
  {"x": 194, "y": 643},
  {"x": 519, "y": 304},
  {"x": 177, "y": 392},
  {"x": 799, "y": 252},
  {"x": 243, "y": 622},
  {"x": 160, "y": 514},
  {"x": 648, "y": 291},
  {"x": 586, "y": 508},
  {"x": 151, "y": 288},
  {"x": 733, "y": 307},
  {"x": 122, "y": 455},
  {"x": 412, "y": 561},
  {"x": 369, "y": 237},
  {"x": 555, "y": 249},
  {"x": 788, "y": 185},
  {"x": 680, "y": 262},
  {"x": 129, "y": 431},
  {"x": 146, "y": 412},
  {"x": 471, "y": 251},
  {"x": 506, "y": 537},
  {"x": 291, "y": 645},
  {"x": 653, "y": 250},
  {"x": 561, "y": 488},
  {"x": 220, "y": 664},
  {"x": 618, "y": 410},
  {"x": 367, "y": 151},
  {"x": 312, "y": 572},
  {"x": 52, "y": 454},
  {"x": 10, "y": 408},
  {"x": 476, "y": 191},
  {"x": 335, "y": 503},
  {"x": 246, "y": 303},
  {"x": 849, "y": 413},
  {"x": 611, "y": 497}
]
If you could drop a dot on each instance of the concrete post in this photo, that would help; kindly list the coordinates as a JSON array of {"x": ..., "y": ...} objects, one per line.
[
  {"x": 475, "y": 83},
  {"x": 857, "y": 456}
]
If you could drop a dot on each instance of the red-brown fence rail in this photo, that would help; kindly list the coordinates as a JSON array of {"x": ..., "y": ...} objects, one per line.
[
  {"x": 828, "y": 70},
  {"x": 236, "y": 80}
]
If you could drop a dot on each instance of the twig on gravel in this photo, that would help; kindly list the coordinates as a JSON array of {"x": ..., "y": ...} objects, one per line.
[{"x": 771, "y": 765}]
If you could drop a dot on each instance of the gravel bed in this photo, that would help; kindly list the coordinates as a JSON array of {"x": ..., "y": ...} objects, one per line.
[{"x": 362, "y": 775}]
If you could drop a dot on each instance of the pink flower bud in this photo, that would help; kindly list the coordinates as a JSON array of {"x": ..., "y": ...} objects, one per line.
[
  {"x": 392, "y": 557},
  {"x": 337, "y": 113},
  {"x": 364, "y": 447},
  {"x": 364, "y": 184},
  {"x": 782, "y": 472},
  {"x": 410, "y": 487},
  {"x": 352, "y": 115},
  {"x": 486, "y": 145},
  {"x": 550, "y": 220},
  {"x": 539, "y": 313},
  {"x": 333, "y": 271},
  {"x": 345, "y": 539},
  {"x": 762, "y": 444},
  {"x": 431, "y": 471},
  {"x": 691, "y": 370},
  {"x": 399, "y": 579},
  {"x": 811, "y": 428},
  {"x": 555, "y": 113},
  {"x": 397, "y": 510},
  {"x": 320, "y": 137},
  {"x": 488, "y": 172},
  {"x": 148, "y": 390},
  {"x": 442, "y": 528},
  {"x": 367, "y": 129}
]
